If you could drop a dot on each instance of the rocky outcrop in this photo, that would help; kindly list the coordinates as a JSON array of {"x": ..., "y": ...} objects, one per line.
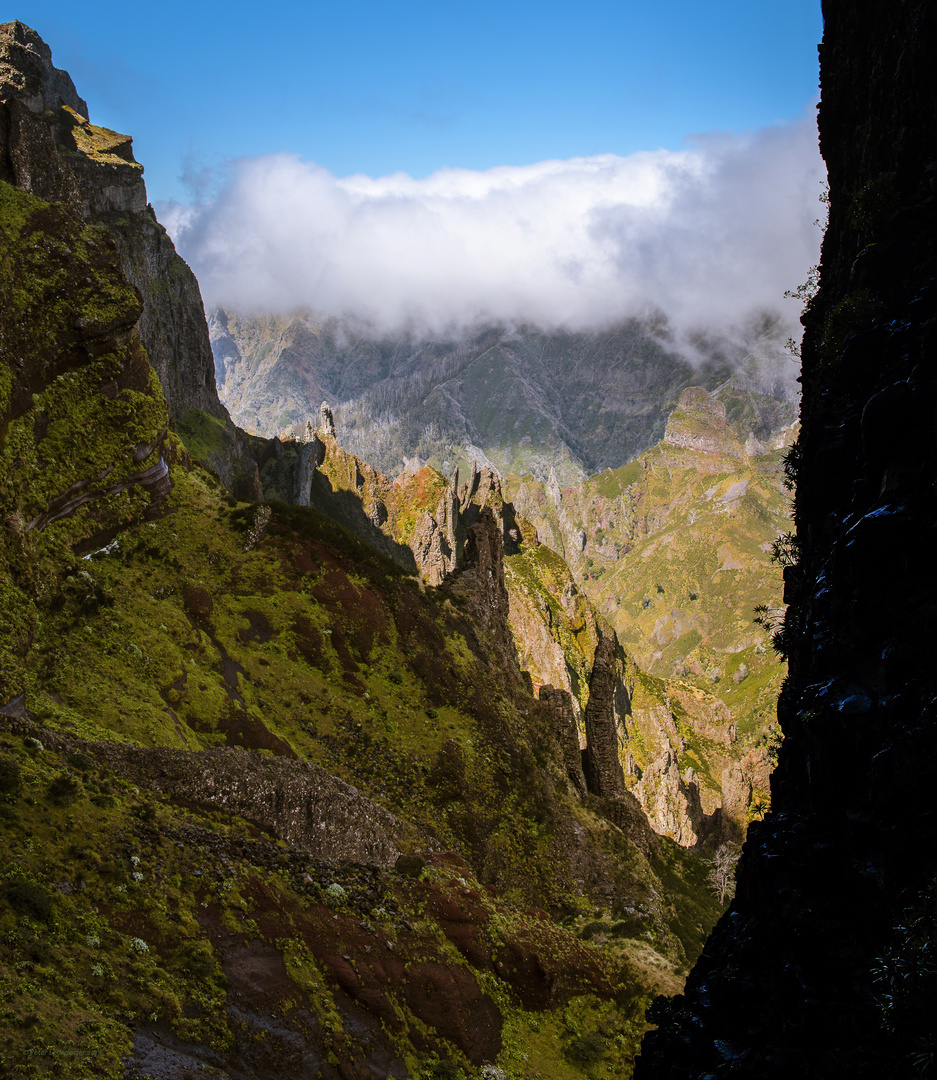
[
  {"x": 671, "y": 799},
  {"x": 297, "y": 802},
  {"x": 479, "y": 578},
  {"x": 172, "y": 327},
  {"x": 431, "y": 548},
  {"x": 566, "y": 730},
  {"x": 50, "y": 148},
  {"x": 699, "y": 423},
  {"x": 434, "y": 542},
  {"x": 310, "y": 453},
  {"x": 26, "y": 69},
  {"x": 31, "y": 89},
  {"x": 818, "y": 969},
  {"x": 347, "y": 489},
  {"x": 110, "y": 180},
  {"x": 326, "y": 420},
  {"x": 607, "y": 703}
]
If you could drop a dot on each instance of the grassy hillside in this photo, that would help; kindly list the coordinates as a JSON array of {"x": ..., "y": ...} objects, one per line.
[
  {"x": 141, "y": 914},
  {"x": 674, "y": 550},
  {"x": 269, "y": 804}
]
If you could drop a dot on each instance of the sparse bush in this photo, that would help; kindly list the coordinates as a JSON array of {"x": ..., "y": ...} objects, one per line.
[
  {"x": 10, "y": 777},
  {"x": 586, "y": 1049},
  {"x": 198, "y": 602},
  {"x": 722, "y": 873},
  {"x": 627, "y": 928},
  {"x": 590, "y": 930},
  {"x": 196, "y": 963},
  {"x": 442, "y": 1069},
  {"x": 80, "y": 761},
  {"x": 396, "y": 677},
  {"x": 37, "y": 949},
  {"x": 258, "y": 527},
  {"x": 28, "y": 898},
  {"x": 906, "y": 982},
  {"x": 410, "y": 865},
  {"x": 785, "y": 550},
  {"x": 335, "y": 894},
  {"x": 64, "y": 789},
  {"x": 792, "y": 462}
]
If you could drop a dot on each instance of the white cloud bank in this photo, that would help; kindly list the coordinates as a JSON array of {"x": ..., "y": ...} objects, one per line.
[{"x": 707, "y": 235}]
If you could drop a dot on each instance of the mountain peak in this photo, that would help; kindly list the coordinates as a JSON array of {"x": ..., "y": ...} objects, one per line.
[
  {"x": 699, "y": 423},
  {"x": 26, "y": 68}
]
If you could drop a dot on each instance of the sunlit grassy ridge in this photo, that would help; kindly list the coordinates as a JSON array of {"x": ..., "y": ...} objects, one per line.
[
  {"x": 675, "y": 550},
  {"x": 309, "y": 644}
]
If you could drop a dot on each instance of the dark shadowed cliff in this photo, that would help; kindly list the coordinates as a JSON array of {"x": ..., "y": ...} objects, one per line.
[{"x": 820, "y": 968}]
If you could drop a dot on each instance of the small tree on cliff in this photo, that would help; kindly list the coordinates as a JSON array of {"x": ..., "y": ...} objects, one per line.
[{"x": 722, "y": 872}]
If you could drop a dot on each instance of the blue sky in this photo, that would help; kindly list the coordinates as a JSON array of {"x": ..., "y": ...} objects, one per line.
[
  {"x": 377, "y": 88},
  {"x": 435, "y": 164}
]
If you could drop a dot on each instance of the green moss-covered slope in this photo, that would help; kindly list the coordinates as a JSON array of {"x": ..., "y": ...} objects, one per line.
[
  {"x": 179, "y": 912},
  {"x": 82, "y": 416}
]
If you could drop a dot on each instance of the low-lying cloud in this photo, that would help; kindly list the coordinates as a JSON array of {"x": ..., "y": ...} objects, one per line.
[{"x": 707, "y": 235}]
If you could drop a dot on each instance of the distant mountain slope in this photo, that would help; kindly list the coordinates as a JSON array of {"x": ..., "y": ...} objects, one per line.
[
  {"x": 519, "y": 399},
  {"x": 671, "y": 552},
  {"x": 674, "y": 549}
]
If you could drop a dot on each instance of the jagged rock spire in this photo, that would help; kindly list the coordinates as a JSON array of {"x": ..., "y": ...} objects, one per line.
[
  {"x": 566, "y": 730},
  {"x": 26, "y": 69},
  {"x": 327, "y": 420},
  {"x": 604, "y": 773}
]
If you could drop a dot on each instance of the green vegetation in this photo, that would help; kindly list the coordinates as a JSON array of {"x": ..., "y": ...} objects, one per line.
[
  {"x": 204, "y": 435},
  {"x": 138, "y": 619},
  {"x": 313, "y": 644}
]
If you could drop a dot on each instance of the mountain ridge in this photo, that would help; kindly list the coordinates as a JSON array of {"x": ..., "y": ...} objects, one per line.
[
  {"x": 172, "y": 660},
  {"x": 518, "y": 399}
]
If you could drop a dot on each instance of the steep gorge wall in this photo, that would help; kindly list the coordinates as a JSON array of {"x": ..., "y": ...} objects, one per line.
[
  {"x": 49, "y": 148},
  {"x": 805, "y": 975}
]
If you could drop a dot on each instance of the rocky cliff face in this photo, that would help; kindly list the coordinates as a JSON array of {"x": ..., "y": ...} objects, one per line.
[
  {"x": 52, "y": 150},
  {"x": 49, "y": 148},
  {"x": 819, "y": 968},
  {"x": 84, "y": 445}
]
